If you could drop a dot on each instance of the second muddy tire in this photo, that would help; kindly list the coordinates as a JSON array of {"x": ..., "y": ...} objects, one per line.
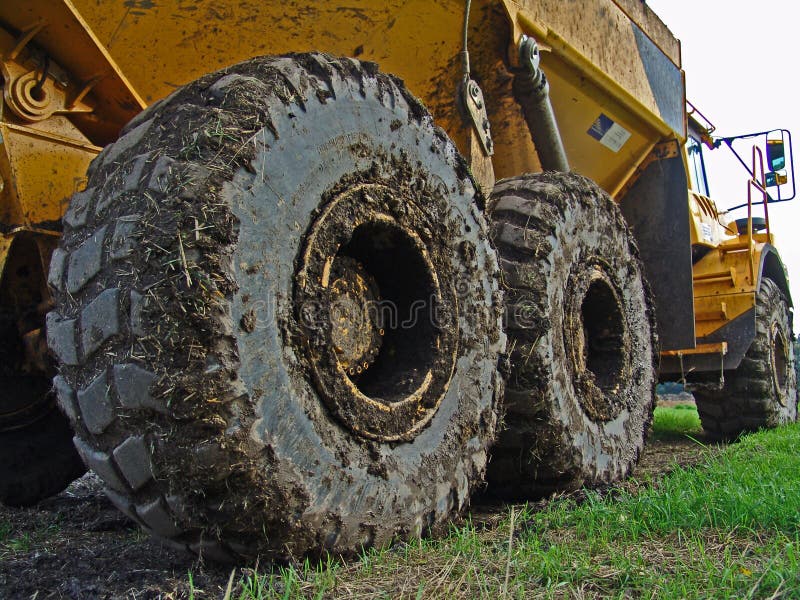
[
  {"x": 38, "y": 460},
  {"x": 225, "y": 378},
  {"x": 37, "y": 457},
  {"x": 582, "y": 338},
  {"x": 762, "y": 391}
]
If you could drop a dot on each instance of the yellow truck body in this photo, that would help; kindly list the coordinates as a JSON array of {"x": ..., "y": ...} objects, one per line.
[{"x": 621, "y": 63}]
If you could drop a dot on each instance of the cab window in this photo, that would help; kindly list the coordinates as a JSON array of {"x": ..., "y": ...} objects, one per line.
[{"x": 697, "y": 169}]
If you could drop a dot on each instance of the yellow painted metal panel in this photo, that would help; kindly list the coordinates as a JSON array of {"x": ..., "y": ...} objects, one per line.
[
  {"x": 718, "y": 348},
  {"x": 724, "y": 277},
  {"x": 578, "y": 103},
  {"x": 65, "y": 36},
  {"x": 653, "y": 26},
  {"x": 705, "y": 224},
  {"x": 729, "y": 305},
  {"x": 5, "y": 246},
  {"x": 43, "y": 169},
  {"x": 596, "y": 38},
  {"x": 161, "y": 46}
]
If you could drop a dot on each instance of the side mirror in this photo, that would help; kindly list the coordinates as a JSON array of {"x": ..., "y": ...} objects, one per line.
[
  {"x": 774, "y": 161},
  {"x": 776, "y": 156},
  {"x": 779, "y": 163}
]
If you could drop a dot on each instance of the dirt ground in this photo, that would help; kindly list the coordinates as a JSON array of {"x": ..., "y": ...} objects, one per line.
[{"x": 77, "y": 545}]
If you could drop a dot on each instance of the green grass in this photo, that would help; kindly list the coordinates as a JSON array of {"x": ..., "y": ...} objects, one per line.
[
  {"x": 729, "y": 528},
  {"x": 676, "y": 422},
  {"x": 15, "y": 541},
  {"x": 5, "y": 530}
]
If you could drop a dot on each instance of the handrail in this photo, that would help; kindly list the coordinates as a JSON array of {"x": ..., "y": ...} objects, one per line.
[{"x": 760, "y": 186}]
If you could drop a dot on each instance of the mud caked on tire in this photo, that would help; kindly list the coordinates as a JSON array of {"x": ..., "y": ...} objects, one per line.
[
  {"x": 762, "y": 391},
  {"x": 278, "y": 316},
  {"x": 581, "y": 337}
]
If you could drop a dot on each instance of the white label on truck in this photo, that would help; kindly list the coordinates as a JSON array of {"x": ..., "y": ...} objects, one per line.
[{"x": 612, "y": 135}]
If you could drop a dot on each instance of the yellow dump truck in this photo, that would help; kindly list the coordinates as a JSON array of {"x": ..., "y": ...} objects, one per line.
[{"x": 309, "y": 273}]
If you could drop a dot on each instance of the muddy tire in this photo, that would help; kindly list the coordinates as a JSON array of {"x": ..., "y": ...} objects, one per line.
[
  {"x": 581, "y": 337},
  {"x": 38, "y": 460},
  {"x": 762, "y": 391},
  {"x": 231, "y": 382}
]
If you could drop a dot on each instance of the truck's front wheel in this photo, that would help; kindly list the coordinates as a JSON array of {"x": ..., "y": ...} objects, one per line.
[{"x": 762, "y": 391}]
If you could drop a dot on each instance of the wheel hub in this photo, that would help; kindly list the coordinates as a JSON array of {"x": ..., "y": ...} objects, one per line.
[
  {"x": 780, "y": 363},
  {"x": 376, "y": 313},
  {"x": 356, "y": 323}
]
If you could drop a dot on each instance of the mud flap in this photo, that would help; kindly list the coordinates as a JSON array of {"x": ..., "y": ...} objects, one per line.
[{"x": 657, "y": 210}]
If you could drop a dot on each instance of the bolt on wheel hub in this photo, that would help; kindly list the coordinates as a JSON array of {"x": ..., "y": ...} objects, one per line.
[{"x": 356, "y": 323}]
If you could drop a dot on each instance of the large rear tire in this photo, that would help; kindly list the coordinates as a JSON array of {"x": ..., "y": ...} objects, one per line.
[
  {"x": 580, "y": 322},
  {"x": 216, "y": 322},
  {"x": 762, "y": 391},
  {"x": 37, "y": 458}
]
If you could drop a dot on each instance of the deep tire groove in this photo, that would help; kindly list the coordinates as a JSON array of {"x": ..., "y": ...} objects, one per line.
[{"x": 751, "y": 398}]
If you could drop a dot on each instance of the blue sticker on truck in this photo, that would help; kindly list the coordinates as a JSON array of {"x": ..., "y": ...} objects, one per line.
[{"x": 612, "y": 135}]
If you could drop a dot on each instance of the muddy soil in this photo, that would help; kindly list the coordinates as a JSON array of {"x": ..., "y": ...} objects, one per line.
[
  {"x": 663, "y": 456},
  {"x": 77, "y": 545}
]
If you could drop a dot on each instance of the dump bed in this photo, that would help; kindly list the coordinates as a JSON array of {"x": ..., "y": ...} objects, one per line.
[{"x": 614, "y": 68}]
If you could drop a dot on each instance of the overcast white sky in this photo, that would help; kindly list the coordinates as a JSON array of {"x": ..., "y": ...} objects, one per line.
[{"x": 740, "y": 60}]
